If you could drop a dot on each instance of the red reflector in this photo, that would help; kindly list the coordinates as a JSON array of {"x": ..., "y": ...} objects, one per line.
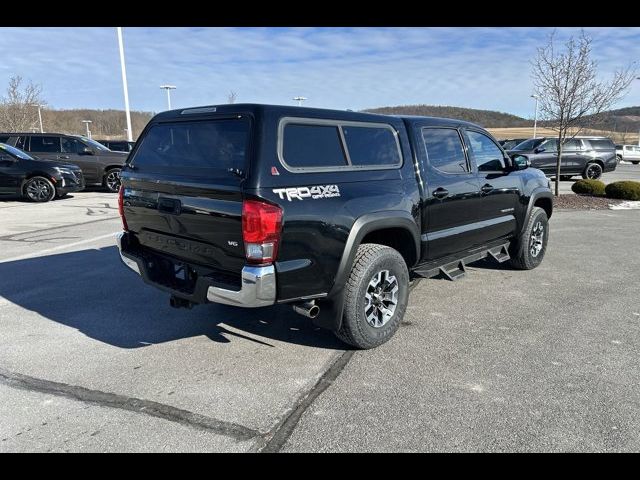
[
  {"x": 121, "y": 207},
  {"x": 261, "y": 228}
]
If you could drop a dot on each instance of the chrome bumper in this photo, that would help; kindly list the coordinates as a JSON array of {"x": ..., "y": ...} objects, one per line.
[{"x": 258, "y": 288}]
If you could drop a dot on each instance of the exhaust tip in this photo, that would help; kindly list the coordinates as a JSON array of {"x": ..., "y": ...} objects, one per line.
[{"x": 307, "y": 309}]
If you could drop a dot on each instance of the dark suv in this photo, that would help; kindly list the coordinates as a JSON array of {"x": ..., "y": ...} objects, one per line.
[
  {"x": 333, "y": 212},
  {"x": 100, "y": 166},
  {"x": 586, "y": 156},
  {"x": 37, "y": 180}
]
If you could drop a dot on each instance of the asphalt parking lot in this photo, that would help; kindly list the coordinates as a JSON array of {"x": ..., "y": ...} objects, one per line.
[{"x": 92, "y": 359}]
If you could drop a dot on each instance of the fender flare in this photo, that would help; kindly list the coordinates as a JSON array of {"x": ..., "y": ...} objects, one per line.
[
  {"x": 331, "y": 307},
  {"x": 536, "y": 194}
]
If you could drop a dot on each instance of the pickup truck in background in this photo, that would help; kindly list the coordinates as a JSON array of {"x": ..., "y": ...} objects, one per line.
[
  {"x": 333, "y": 212},
  {"x": 628, "y": 153}
]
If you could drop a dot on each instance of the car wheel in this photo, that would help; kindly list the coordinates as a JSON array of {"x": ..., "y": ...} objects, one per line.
[
  {"x": 564, "y": 178},
  {"x": 618, "y": 158},
  {"x": 528, "y": 250},
  {"x": 592, "y": 171},
  {"x": 39, "y": 189},
  {"x": 635, "y": 163},
  {"x": 377, "y": 293},
  {"x": 111, "y": 180}
]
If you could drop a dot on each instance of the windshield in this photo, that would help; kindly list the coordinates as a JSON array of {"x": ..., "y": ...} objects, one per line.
[
  {"x": 94, "y": 144},
  {"x": 528, "y": 144},
  {"x": 194, "y": 148},
  {"x": 15, "y": 152}
]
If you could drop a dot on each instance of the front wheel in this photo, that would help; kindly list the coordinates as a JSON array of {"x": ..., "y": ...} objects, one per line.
[
  {"x": 376, "y": 297},
  {"x": 635, "y": 163},
  {"x": 39, "y": 189},
  {"x": 112, "y": 180},
  {"x": 592, "y": 171},
  {"x": 528, "y": 251}
]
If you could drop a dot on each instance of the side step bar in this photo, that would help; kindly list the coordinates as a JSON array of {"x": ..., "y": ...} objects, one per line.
[{"x": 454, "y": 269}]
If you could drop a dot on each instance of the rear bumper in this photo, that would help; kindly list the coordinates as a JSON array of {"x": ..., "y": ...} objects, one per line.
[{"x": 257, "y": 287}]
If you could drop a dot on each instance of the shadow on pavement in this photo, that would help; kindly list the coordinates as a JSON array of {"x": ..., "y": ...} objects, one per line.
[{"x": 91, "y": 291}]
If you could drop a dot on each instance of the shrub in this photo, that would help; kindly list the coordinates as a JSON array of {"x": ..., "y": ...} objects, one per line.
[
  {"x": 625, "y": 190},
  {"x": 589, "y": 187}
]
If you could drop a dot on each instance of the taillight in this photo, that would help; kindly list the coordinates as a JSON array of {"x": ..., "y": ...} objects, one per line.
[
  {"x": 261, "y": 227},
  {"x": 121, "y": 207}
]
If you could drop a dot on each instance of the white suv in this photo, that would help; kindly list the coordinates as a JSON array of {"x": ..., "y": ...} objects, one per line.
[{"x": 628, "y": 153}]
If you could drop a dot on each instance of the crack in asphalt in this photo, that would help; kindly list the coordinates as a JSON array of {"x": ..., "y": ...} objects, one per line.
[
  {"x": 279, "y": 435},
  {"x": 112, "y": 400}
]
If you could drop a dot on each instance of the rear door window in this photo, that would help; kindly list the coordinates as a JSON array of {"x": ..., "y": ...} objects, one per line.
[
  {"x": 45, "y": 144},
  {"x": 444, "y": 150},
  {"x": 209, "y": 148}
]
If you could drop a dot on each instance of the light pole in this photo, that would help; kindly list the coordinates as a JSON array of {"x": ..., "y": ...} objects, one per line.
[
  {"x": 535, "y": 118},
  {"x": 39, "y": 114},
  {"x": 300, "y": 100},
  {"x": 124, "y": 83},
  {"x": 87, "y": 122},
  {"x": 168, "y": 88}
]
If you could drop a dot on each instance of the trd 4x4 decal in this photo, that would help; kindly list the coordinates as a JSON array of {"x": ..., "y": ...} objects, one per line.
[{"x": 316, "y": 192}]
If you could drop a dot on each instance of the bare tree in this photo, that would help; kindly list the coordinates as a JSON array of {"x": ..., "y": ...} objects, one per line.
[
  {"x": 571, "y": 96},
  {"x": 17, "y": 110},
  {"x": 231, "y": 97}
]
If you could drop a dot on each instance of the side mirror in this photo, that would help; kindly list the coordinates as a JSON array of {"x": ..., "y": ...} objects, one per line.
[
  {"x": 520, "y": 162},
  {"x": 87, "y": 151}
]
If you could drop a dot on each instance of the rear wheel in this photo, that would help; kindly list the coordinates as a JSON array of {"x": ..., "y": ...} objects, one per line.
[
  {"x": 592, "y": 171},
  {"x": 528, "y": 251},
  {"x": 376, "y": 297},
  {"x": 39, "y": 189},
  {"x": 111, "y": 180},
  {"x": 635, "y": 163}
]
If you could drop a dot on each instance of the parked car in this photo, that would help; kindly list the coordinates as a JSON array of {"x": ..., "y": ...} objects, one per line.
[
  {"x": 37, "y": 180},
  {"x": 117, "y": 145},
  {"x": 100, "y": 166},
  {"x": 586, "y": 156},
  {"x": 510, "y": 143},
  {"x": 628, "y": 153},
  {"x": 333, "y": 212}
]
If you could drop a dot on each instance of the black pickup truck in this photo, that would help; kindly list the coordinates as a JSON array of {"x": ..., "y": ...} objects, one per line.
[{"x": 334, "y": 212}]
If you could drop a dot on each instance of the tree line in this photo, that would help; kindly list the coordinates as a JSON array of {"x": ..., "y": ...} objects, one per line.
[{"x": 19, "y": 113}]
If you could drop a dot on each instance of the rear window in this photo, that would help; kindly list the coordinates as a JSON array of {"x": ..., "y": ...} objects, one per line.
[
  {"x": 603, "y": 144},
  {"x": 200, "y": 149},
  {"x": 308, "y": 146}
]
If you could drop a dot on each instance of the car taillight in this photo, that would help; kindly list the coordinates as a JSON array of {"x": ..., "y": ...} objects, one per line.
[
  {"x": 121, "y": 207},
  {"x": 261, "y": 228}
]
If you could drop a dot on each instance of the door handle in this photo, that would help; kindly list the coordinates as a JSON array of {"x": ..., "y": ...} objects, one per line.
[
  {"x": 486, "y": 188},
  {"x": 63, "y": 156},
  {"x": 440, "y": 192}
]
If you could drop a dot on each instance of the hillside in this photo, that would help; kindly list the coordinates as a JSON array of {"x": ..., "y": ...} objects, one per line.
[
  {"x": 105, "y": 123},
  {"x": 486, "y": 118}
]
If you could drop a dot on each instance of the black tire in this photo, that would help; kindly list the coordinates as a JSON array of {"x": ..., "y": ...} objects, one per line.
[
  {"x": 524, "y": 254},
  {"x": 593, "y": 171},
  {"x": 565, "y": 178},
  {"x": 39, "y": 189},
  {"x": 618, "y": 158},
  {"x": 371, "y": 263},
  {"x": 111, "y": 180},
  {"x": 635, "y": 163}
]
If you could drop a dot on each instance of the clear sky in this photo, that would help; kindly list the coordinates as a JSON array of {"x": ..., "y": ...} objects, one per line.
[{"x": 342, "y": 68}]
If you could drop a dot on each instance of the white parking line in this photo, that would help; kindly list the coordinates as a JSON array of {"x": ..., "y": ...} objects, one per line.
[{"x": 59, "y": 247}]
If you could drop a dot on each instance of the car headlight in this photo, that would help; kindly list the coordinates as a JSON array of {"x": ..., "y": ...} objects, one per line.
[{"x": 64, "y": 171}]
